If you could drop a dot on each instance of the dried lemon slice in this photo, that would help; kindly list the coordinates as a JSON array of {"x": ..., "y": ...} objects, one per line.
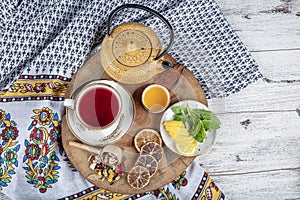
[
  {"x": 148, "y": 162},
  {"x": 144, "y": 136},
  {"x": 153, "y": 149},
  {"x": 138, "y": 177}
]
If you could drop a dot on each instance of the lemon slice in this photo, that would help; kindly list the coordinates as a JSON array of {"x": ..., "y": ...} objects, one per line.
[
  {"x": 149, "y": 162},
  {"x": 186, "y": 150},
  {"x": 174, "y": 128},
  {"x": 145, "y": 136},
  {"x": 153, "y": 149},
  {"x": 138, "y": 177}
]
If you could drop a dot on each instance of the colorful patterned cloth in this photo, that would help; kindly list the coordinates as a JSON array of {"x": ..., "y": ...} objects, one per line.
[{"x": 44, "y": 43}]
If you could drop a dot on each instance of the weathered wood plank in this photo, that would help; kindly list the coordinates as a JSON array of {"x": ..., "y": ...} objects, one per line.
[
  {"x": 279, "y": 65},
  {"x": 275, "y": 185},
  {"x": 266, "y": 31},
  {"x": 257, "y": 154},
  {"x": 250, "y": 142},
  {"x": 264, "y": 25},
  {"x": 241, "y": 7},
  {"x": 260, "y": 97}
]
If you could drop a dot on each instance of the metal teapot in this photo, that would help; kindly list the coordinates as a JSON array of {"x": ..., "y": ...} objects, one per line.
[{"x": 131, "y": 52}]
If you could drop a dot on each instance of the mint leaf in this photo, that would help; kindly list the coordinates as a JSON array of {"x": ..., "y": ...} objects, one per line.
[
  {"x": 214, "y": 123},
  {"x": 176, "y": 110},
  {"x": 200, "y": 132},
  {"x": 206, "y": 124}
]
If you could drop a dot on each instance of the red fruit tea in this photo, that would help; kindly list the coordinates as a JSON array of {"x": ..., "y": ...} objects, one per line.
[{"x": 98, "y": 107}]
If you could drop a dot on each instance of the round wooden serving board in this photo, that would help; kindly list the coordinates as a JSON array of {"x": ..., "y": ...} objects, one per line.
[{"x": 182, "y": 85}]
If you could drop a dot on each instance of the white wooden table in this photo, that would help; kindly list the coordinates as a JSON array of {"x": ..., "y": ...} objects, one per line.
[{"x": 257, "y": 153}]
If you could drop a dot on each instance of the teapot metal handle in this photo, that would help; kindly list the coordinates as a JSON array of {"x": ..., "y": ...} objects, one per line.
[{"x": 114, "y": 12}]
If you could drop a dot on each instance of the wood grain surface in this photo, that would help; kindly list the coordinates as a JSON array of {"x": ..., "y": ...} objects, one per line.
[
  {"x": 257, "y": 153},
  {"x": 182, "y": 86}
]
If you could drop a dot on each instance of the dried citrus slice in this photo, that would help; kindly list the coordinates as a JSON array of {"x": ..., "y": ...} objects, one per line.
[
  {"x": 148, "y": 162},
  {"x": 144, "y": 136},
  {"x": 138, "y": 177},
  {"x": 153, "y": 149}
]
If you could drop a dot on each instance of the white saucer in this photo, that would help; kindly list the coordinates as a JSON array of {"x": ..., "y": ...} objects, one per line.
[
  {"x": 203, "y": 147},
  {"x": 91, "y": 137}
]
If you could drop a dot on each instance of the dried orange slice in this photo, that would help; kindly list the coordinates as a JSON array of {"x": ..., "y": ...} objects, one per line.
[
  {"x": 153, "y": 149},
  {"x": 149, "y": 162},
  {"x": 138, "y": 177},
  {"x": 144, "y": 136}
]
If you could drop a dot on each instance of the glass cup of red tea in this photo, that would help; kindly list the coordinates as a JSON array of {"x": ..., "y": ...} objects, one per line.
[{"x": 97, "y": 107}]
